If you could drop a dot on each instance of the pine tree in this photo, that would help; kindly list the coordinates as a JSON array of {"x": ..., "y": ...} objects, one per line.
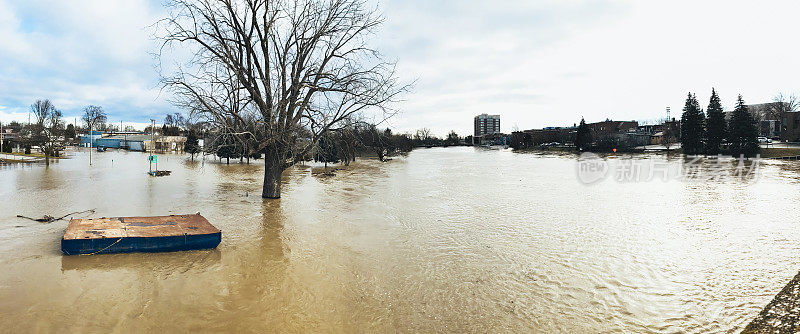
[
  {"x": 743, "y": 134},
  {"x": 227, "y": 149},
  {"x": 192, "y": 145},
  {"x": 69, "y": 133},
  {"x": 716, "y": 128},
  {"x": 692, "y": 126},
  {"x": 584, "y": 136}
]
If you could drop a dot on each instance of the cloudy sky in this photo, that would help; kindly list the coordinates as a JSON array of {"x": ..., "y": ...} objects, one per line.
[{"x": 536, "y": 63}]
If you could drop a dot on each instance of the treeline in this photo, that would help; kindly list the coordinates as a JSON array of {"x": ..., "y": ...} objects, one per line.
[
  {"x": 710, "y": 133},
  {"x": 343, "y": 144}
]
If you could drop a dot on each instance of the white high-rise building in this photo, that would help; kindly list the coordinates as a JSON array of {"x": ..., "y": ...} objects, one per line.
[{"x": 486, "y": 125}]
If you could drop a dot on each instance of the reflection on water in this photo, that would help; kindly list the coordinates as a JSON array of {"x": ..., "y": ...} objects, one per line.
[{"x": 449, "y": 240}]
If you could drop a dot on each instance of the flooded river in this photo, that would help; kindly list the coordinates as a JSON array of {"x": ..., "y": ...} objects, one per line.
[{"x": 443, "y": 240}]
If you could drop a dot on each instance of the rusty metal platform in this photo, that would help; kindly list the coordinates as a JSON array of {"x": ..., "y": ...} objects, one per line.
[{"x": 139, "y": 234}]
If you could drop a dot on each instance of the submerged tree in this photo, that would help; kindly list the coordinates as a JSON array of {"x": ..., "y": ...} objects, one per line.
[
  {"x": 347, "y": 142},
  {"x": 302, "y": 66},
  {"x": 326, "y": 150},
  {"x": 225, "y": 148},
  {"x": 743, "y": 135},
  {"x": 692, "y": 121},
  {"x": 192, "y": 145},
  {"x": 716, "y": 128},
  {"x": 48, "y": 128}
]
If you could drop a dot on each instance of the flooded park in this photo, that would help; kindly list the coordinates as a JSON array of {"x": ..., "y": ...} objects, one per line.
[{"x": 456, "y": 239}]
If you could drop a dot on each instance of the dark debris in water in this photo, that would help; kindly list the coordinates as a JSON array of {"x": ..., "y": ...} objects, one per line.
[{"x": 50, "y": 219}]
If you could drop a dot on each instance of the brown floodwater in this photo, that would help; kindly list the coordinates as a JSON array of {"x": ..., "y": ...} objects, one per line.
[{"x": 443, "y": 240}]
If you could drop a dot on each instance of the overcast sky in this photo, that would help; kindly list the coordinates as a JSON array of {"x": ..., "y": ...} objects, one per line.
[{"x": 536, "y": 63}]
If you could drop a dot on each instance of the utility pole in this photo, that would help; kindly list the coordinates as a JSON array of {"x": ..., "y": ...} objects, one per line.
[
  {"x": 91, "y": 125},
  {"x": 1, "y": 137},
  {"x": 152, "y": 143}
]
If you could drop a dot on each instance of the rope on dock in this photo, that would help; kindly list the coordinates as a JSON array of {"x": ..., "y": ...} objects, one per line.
[{"x": 107, "y": 247}]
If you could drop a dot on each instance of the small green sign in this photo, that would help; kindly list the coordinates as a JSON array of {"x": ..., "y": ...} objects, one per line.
[{"x": 153, "y": 158}]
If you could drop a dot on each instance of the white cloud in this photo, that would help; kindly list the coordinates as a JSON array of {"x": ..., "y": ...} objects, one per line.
[
  {"x": 537, "y": 63},
  {"x": 78, "y": 53},
  {"x": 548, "y": 63}
]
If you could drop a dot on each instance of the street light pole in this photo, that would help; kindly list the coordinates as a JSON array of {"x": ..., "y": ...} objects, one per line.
[
  {"x": 152, "y": 143},
  {"x": 91, "y": 124}
]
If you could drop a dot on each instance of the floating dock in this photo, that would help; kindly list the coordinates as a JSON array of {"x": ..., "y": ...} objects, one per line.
[{"x": 139, "y": 234}]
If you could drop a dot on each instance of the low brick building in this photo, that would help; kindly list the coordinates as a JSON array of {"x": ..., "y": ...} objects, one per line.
[{"x": 609, "y": 127}]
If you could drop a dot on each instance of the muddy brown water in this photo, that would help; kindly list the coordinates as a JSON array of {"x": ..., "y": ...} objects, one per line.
[{"x": 443, "y": 240}]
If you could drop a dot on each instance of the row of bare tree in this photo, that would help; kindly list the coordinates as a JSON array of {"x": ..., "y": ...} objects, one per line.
[
  {"x": 342, "y": 144},
  {"x": 49, "y": 133}
]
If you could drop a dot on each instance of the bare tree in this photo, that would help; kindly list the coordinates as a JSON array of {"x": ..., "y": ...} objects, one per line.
[
  {"x": 169, "y": 120},
  {"x": 298, "y": 66},
  {"x": 94, "y": 117},
  {"x": 781, "y": 104},
  {"x": 48, "y": 128},
  {"x": 423, "y": 135}
]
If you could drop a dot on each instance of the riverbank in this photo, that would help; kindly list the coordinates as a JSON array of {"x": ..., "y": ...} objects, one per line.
[
  {"x": 766, "y": 152},
  {"x": 782, "y": 314},
  {"x": 14, "y": 157},
  {"x": 18, "y": 157}
]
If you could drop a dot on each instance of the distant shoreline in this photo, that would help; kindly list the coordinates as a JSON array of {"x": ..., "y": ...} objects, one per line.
[{"x": 765, "y": 152}]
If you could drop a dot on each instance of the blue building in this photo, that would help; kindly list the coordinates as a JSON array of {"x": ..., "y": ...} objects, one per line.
[
  {"x": 93, "y": 136},
  {"x": 136, "y": 142}
]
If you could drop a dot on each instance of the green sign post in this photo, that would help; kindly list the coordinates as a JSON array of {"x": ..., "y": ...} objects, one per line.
[{"x": 153, "y": 160}]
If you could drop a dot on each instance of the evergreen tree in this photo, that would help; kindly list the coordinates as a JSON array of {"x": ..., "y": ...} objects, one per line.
[
  {"x": 452, "y": 138},
  {"x": 7, "y": 146},
  {"x": 227, "y": 149},
  {"x": 584, "y": 136},
  {"x": 743, "y": 134},
  {"x": 192, "y": 145},
  {"x": 692, "y": 126},
  {"x": 716, "y": 128},
  {"x": 69, "y": 133}
]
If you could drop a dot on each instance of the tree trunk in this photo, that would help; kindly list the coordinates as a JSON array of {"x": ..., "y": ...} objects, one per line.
[
  {"x": 273, "y": 168},
  {"x": 380, "y": 155}
]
